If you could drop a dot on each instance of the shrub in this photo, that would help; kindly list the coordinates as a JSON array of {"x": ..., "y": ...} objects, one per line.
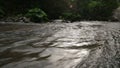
[
  {"x": 97, "y": 9},
  {"x": 36, "y": 15},
  {"x": 70, "y": 16}
]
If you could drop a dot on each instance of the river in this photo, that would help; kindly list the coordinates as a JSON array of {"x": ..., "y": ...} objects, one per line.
[{"x": 85, "y": 44}]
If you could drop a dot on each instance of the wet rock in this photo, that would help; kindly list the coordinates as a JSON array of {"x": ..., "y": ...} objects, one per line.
[{"x": 116, "y": 14}]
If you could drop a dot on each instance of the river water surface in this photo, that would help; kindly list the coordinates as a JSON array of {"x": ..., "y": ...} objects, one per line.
[{"x": 60, "y": 45}]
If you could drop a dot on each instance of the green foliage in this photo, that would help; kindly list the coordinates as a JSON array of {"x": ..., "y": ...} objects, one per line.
[
  {"x": 94, "y": 4},
  {"x": 70, "y": 16},
  {"x": 1, "y": 13},
  {"x": 74, "y": 9},
  {"x": 97, "y": 9},
  {"x": 54, "y": 8},
  {"x": 36, "y": 15}
]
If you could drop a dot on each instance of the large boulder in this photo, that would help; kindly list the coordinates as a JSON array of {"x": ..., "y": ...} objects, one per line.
[{"x": 116, "y": 14}]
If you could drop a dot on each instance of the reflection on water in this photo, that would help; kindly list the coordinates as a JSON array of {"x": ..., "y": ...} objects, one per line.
[{"x": 48, "y": 45}]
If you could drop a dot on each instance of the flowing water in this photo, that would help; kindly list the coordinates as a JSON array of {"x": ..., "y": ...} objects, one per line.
[{"x": 90, "y": 44}]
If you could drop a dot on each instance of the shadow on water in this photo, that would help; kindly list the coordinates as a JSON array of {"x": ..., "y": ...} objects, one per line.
[
  {"x": 91, "y": 46},
  {"x": 18, "y": 56}
]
